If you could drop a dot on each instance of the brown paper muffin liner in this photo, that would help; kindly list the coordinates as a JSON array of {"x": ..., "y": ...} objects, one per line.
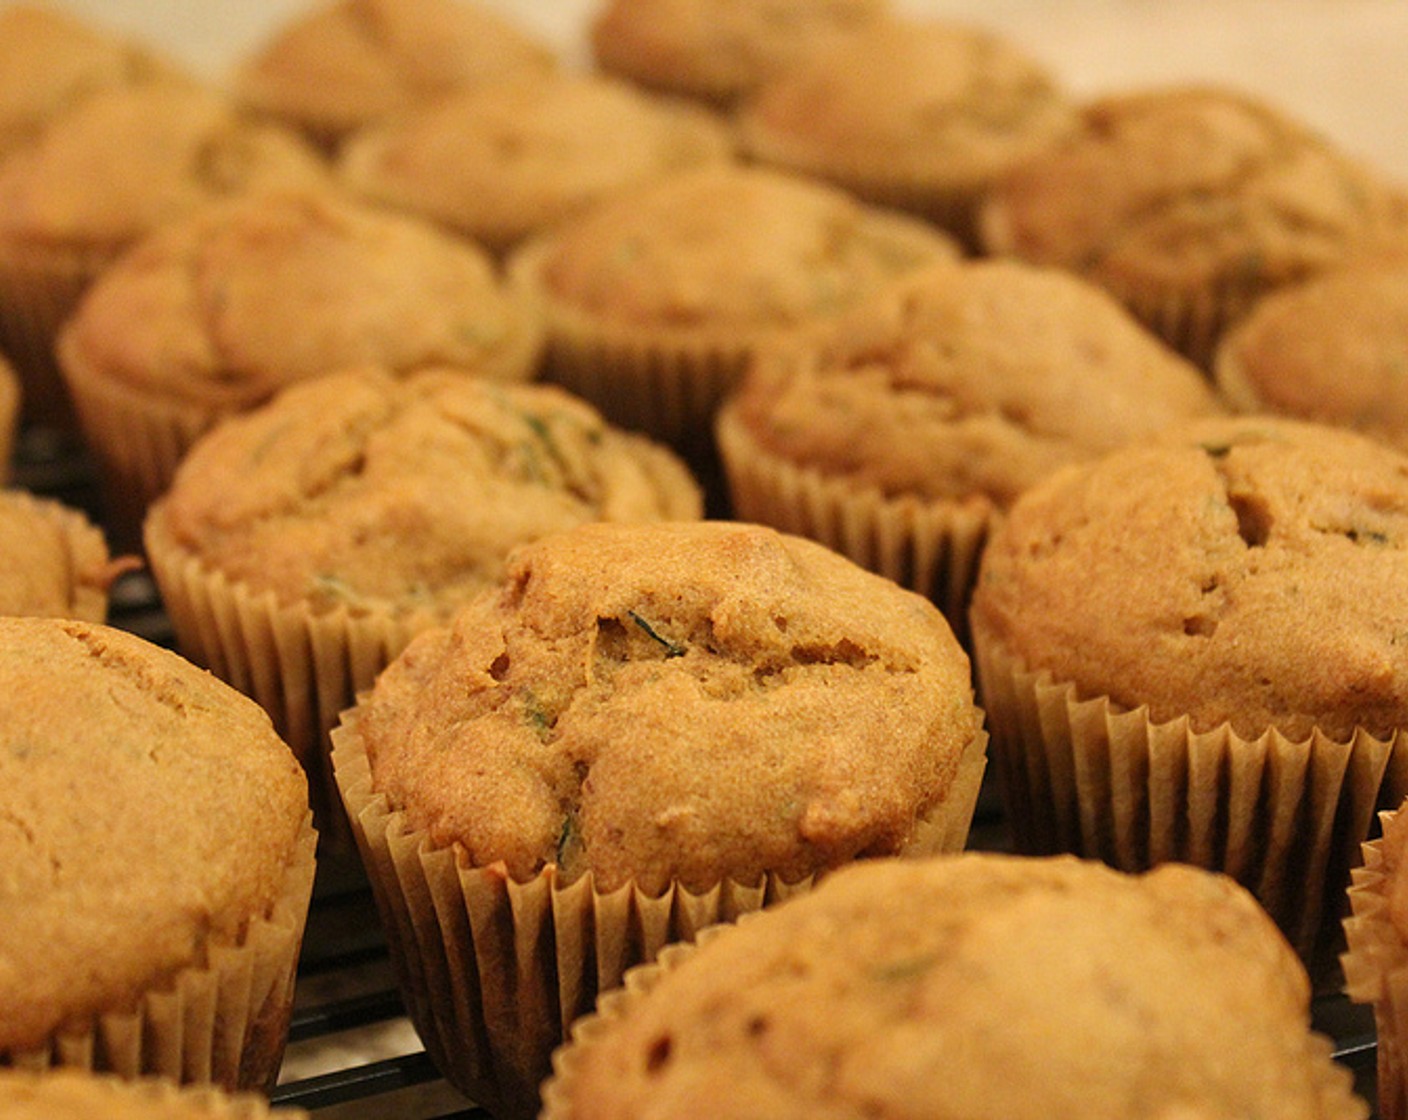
[
  {"x": 10, "y": 405},
  {"x": 1285, "y": 819},
  {"x": 40, "y": 286},
  {"x": 494, "y": 971},
  {"x": 1376, "y": 962},
  {"x": 927, "y": 545},
  {"x": 224, "y": 1022},
  {"x": 301, "y": 667}
]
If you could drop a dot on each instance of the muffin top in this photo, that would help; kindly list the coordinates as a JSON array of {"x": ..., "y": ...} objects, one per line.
[
  {"x": 730, "y": 250},
  {"x": 501, "y": 161},
  {"x": 968, "y": 382},
  {"x": 147, "y": 812},
  {"x": 67, "y": 1093},
  {"x": 976, "y": 985},
  {"x": 1251, "y": 571},
  {"x": 243, "y": 297},
  {"x": 343, "y": 65},
  {"x": 53, "y": 561},
  {"x": 129, "y": 159},
  {"x": 718, "y": 49},
  {"x": 679, "y": 701},
  {"x": 405, "y": 495},
  {"x": 49, "y": 60},
  {"x": 937, "y": 104},
  {"x": 1182, "y": 187},
  {"x": 1334, "y": 350}
]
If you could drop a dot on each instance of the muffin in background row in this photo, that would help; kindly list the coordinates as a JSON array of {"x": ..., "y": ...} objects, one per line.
[
  {"x": 158, "y": 857},
  {"x": 1190, "y": 204},
  {"x": 1196, "y": 649},
  {"x": 646, "y": 729},
  {"x": 340, "y": 66},
  {"x": 980, "y": 985},
  {"x": 717, "y": 50},
  {"x": 921, "y": 116},
  {"x": 10, "y": 393},
  {"x": 100, "y": 177},
  {"x": 214, "y": 313},
  {"x": 54, "y": 562},
  {"x": 902, "y": 434},
  {"x": 72, "y": 1095},
  {"x": 507, "y": 160},
  {"x": 303, "y": 544}
]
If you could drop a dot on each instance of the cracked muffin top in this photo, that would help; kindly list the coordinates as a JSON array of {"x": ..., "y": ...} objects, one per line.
[
  {"x": 53, "y": 562},
  {"x": 968, "y": 382},
  {"x": 676, "y": 701},
  {"x": 130, "y": 159},
  {"x": 147, "y": 813},
  {"x": 66, "y": 1093},
  {"x": 1251, "y": 571},
  {"x": 1185, "y": 187},
  {"x": 243, "y": 297},
  {"x": 503, "y": 161},
  {"x": 343, "y": 65},
  {"x": 735, "y": 251},
  {"x": 406, "y": 495},
  {"x": 718, "y": 49},
  {"x": 981, "y": 985}
]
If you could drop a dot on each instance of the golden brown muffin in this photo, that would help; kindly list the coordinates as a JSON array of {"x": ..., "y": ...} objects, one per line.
[
  {"x": 1376, "y": 965},
  {"x": 72, "y": 1095},
  {"x": 53, "y": 562},
  {"x": 343, "y": 65},
  {"x": 102, "y": 175},
  {"x": 1190, "y": 204},
  {"x": 920, "y": 116},
  {"x": 644, "y": 730},
  {"x": 158, "y": 861},
  {"x": 656, "y": 300},
  {"x": 973, "y": 986},
  {"x": 1209, "y": 631},
  {"x": 10, "y": 404},
  {"x": 50, "y": 60},
  {"x": 502, "y": 161},
  {"x": 327, "y": 527},
  {"x": 902, "y": 435},
  {"x": 1333, "y": 350},
  {"x": 719, "y": 49},
  {"x": 213, "y": 314}
]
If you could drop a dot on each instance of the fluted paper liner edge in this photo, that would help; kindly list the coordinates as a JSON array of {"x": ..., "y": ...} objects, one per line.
[
  {"x": 495, "y": 971},
  {"x": 1285, "y": 819},
  {"x": 223, "y": 1023}
]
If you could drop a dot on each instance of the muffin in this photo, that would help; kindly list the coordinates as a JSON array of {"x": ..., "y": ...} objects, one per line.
[
  {"x": 54, "y": 562},
  {"x": 919, "y": 116},
  {"x": 903, "y": 434},
  {"x": 1193, "y": 649},
  {"x": 975, "y": 985},
  {"x": 158, "y": 862},
  {"x": 644, "y": 730},
  {"x": 716, "y": 50},
  {"x": 656, "y": 300},
  {"x": 9, "y": 416},
  {"x": 506, "y": 160},
  {"x": 213, "y": 314},
  {"x": 1190, "y": 204},
  {"x": 340, "y": 66},
  {"x": 101, "y": 176},
  {"x": 1332, "y": 350},
  {"x": 302, "y": 544},
  {"x": 72, "y": 1095}
]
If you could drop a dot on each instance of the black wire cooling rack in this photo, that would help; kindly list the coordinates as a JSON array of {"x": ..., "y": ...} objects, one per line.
[{"x": 352, "y": 1054}]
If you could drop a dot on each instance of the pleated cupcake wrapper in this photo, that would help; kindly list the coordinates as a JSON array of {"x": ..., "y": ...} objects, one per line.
[
  {"x": 1286, "y": 819},
  {"x": 87, "y": 548},
  {"x": 223, "y": 1023},
  {"x": 494, "y": 971},
  {"x": 932, "y": 547},
  {"x": 40, "y": 287},
  {"x": 300, "y": 667},
  {"x": 1376, "y": 961}
]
